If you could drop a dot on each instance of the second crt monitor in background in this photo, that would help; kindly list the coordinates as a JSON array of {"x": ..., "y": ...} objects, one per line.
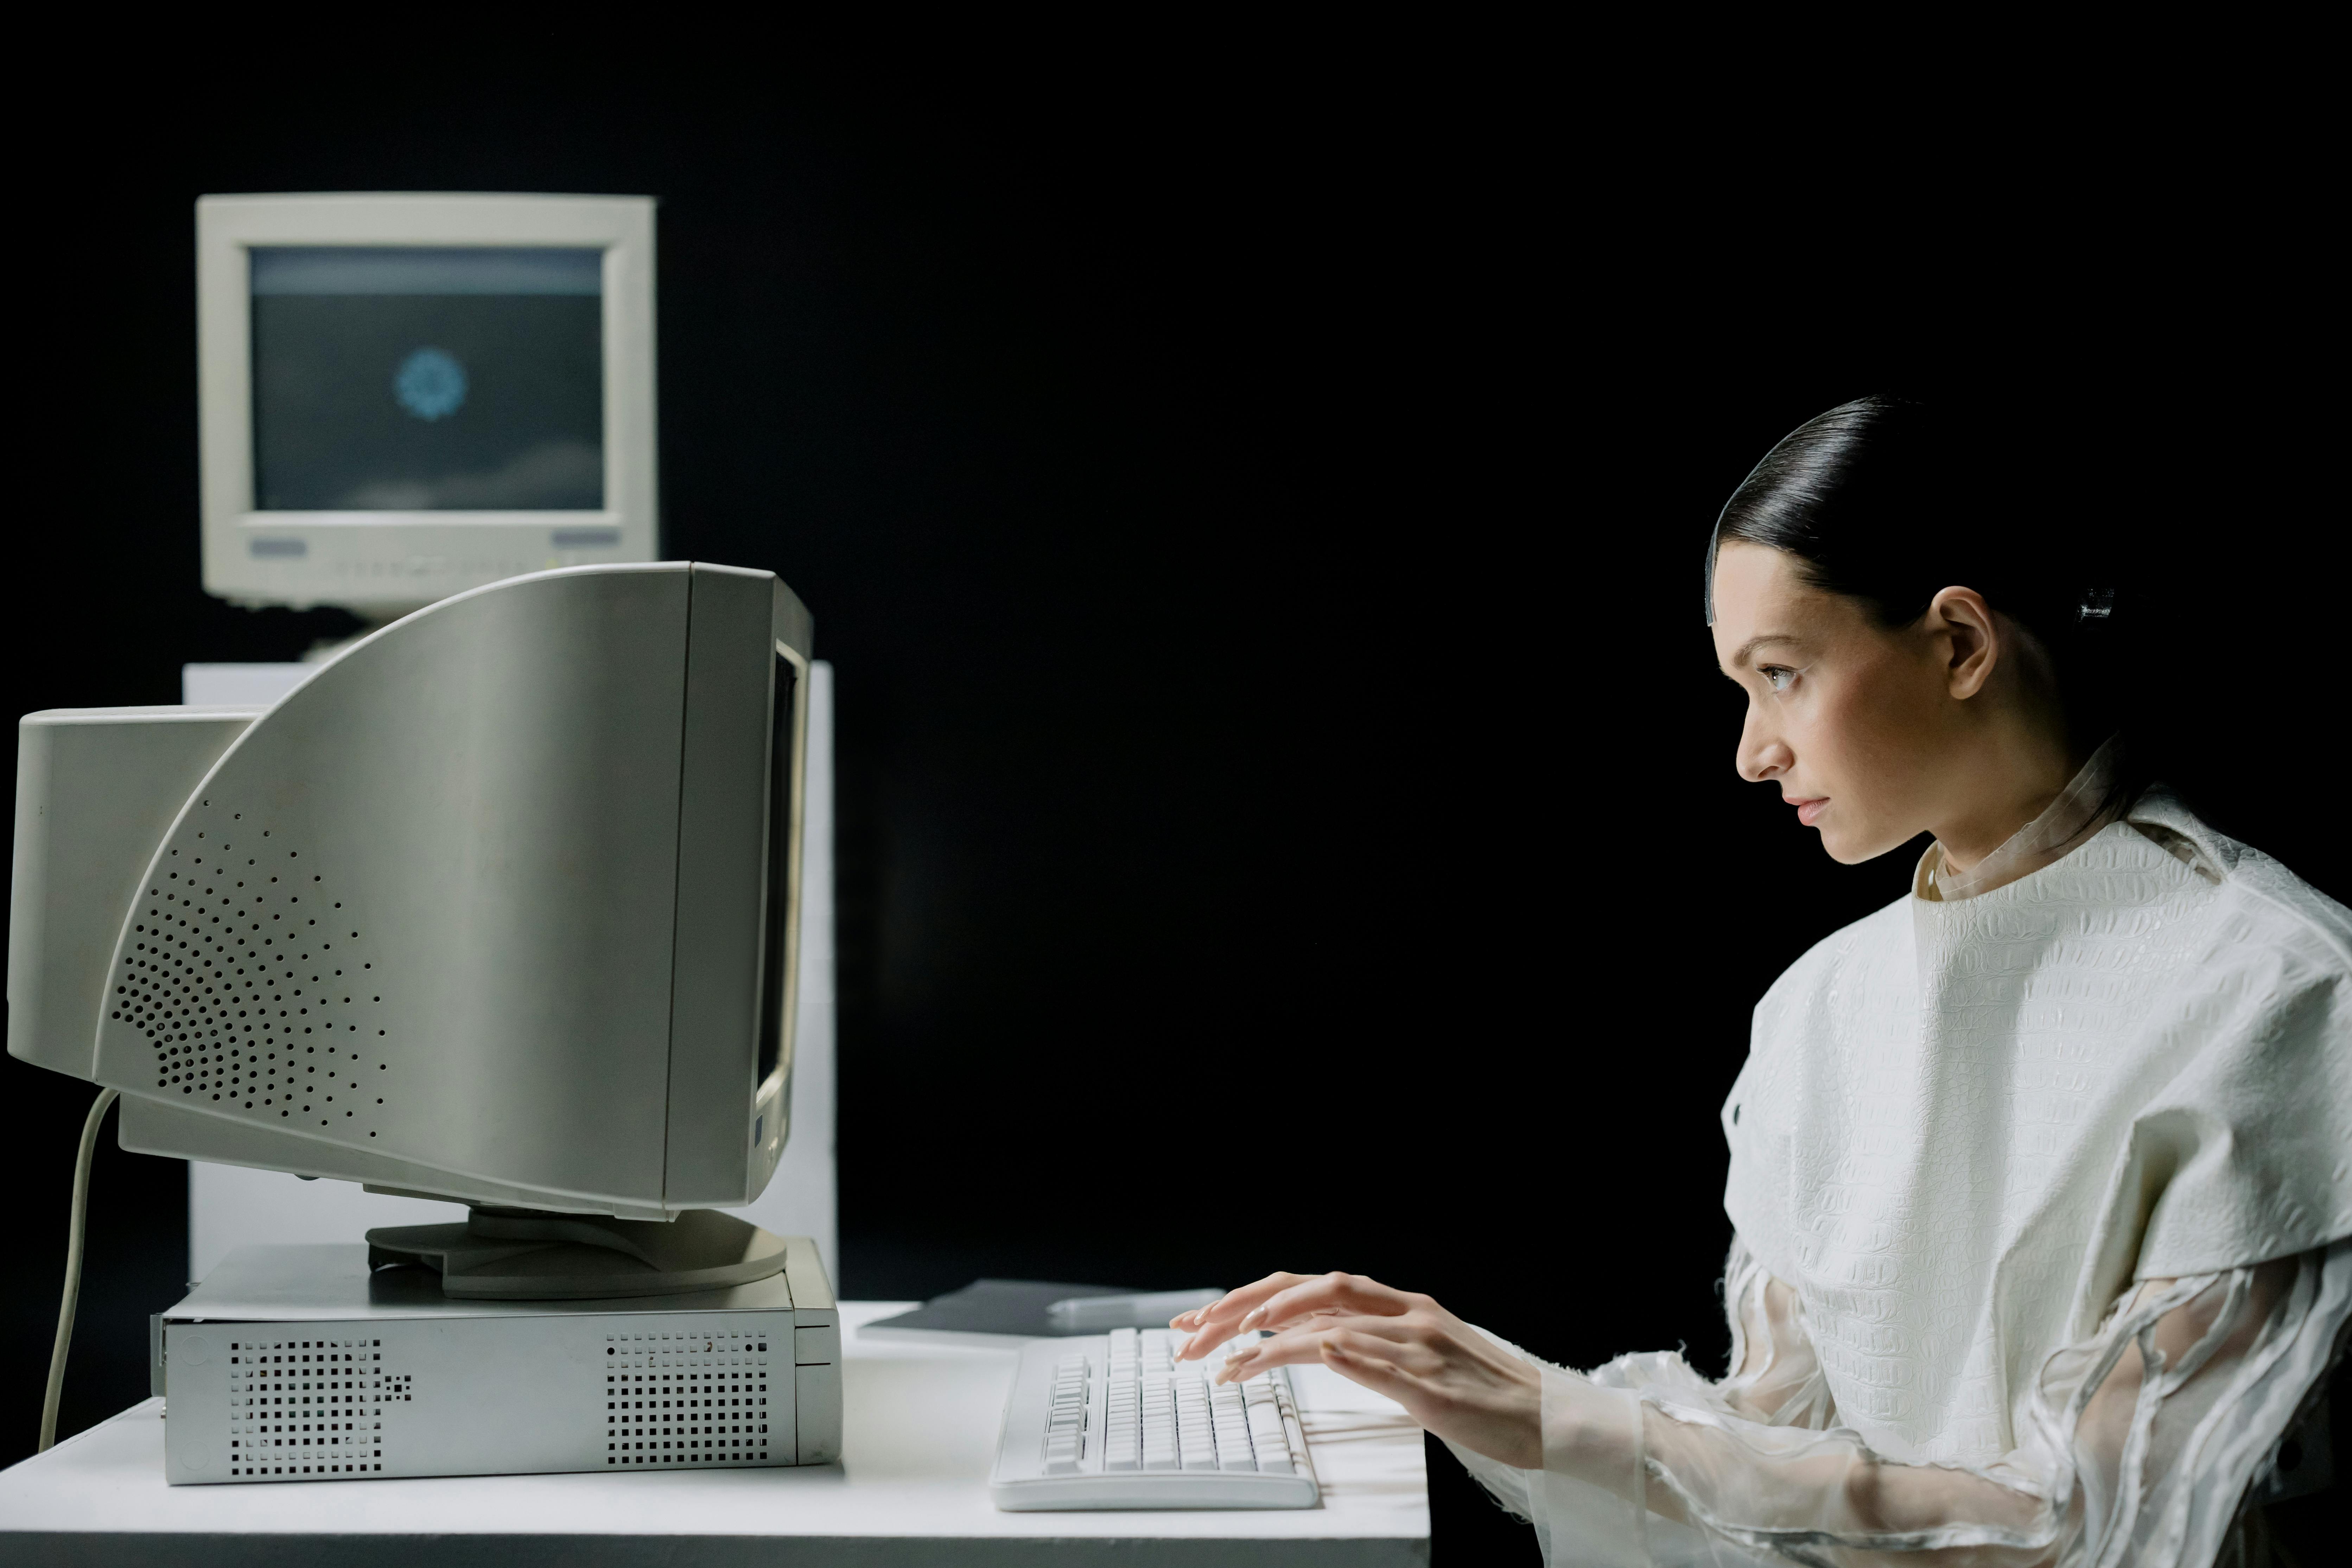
[{"x": 404, "y": 396}]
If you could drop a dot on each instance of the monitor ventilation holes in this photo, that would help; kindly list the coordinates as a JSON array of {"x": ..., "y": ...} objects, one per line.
[{"x": 247, "y": 982}]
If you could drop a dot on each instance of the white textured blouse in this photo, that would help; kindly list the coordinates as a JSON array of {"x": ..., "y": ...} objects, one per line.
[{"x": 2042, "y": 1196}]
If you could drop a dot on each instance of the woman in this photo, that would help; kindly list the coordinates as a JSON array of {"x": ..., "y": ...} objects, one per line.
[{"x": 2042, "y": 1177}]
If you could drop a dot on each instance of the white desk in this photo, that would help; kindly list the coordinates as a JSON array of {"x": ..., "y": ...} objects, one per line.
[{"x": 919, "y": 1435}]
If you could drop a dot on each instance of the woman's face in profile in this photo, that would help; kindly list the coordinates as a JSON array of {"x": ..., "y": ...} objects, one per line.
[{"x": 1849, "y": 719}]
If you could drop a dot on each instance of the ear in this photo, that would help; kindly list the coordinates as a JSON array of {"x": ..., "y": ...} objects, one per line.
[{"x": 1963, "y": 623}]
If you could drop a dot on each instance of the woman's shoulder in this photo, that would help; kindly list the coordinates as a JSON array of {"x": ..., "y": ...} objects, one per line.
[
  {"x": 2275, "y": 913},
  {"x": 2254, "y": 1121},
  {"x": 1870, "y": 941}
]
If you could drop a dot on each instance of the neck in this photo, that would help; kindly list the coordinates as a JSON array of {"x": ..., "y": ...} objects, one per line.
[{"x": 2016, "y": 779}]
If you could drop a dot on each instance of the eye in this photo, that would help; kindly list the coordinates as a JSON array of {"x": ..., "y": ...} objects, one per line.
[{"x": 1777, "y": 677}]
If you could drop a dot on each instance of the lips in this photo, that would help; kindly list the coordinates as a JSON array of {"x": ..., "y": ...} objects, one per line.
[{"x": 1810, "y": 811}]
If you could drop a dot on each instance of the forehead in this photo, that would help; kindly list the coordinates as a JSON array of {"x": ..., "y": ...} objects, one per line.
[
  {"x": 1753, "y": 582},
  {"x": 1758, "y": 593}
]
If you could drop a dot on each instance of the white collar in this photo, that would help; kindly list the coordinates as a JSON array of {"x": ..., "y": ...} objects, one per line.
[{"x": 2086, "y": 805}]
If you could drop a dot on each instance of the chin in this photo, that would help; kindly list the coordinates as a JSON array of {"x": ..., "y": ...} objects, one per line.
[{"x": 1852, "y": 849}]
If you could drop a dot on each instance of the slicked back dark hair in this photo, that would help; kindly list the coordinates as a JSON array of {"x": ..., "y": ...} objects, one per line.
[{"x": 1888, "y": 501}]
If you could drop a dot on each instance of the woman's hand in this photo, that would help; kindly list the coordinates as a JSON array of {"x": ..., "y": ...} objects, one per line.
[{"x": 1451, "y": 1378}]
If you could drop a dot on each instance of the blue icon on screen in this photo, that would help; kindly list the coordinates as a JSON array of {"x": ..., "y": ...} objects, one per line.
[{"x": 430, "y": 385}]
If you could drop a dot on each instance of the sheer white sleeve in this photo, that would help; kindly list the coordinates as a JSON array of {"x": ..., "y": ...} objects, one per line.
[{"x": 2139, "y": 1445}]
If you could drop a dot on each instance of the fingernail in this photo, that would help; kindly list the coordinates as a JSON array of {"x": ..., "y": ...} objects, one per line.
[{"x": 1257, "y": 1316}]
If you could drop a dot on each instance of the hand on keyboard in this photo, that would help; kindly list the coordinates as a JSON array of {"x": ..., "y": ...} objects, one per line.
[{"x": 1451, "y": 1378}]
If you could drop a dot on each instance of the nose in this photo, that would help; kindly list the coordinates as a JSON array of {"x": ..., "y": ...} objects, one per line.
[{"x": 1763, "y": 754}]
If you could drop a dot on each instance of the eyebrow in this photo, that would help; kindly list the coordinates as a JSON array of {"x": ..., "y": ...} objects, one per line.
[{"x": 1752, "y": 644}]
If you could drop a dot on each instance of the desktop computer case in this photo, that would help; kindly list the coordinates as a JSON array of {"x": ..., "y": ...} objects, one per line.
[{"x": 301, "y": 1364}]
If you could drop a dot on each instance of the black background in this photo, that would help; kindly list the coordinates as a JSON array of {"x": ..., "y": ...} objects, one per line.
[{"x": 1287, "y": 816}]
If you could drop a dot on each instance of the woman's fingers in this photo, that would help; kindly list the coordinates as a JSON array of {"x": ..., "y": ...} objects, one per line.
[
  {"x": 1233, "y": 1305},
  {"x": 1304, "y": 1342},
  {"x": 1445, "y": 1374},
  {"x": 1351, "y": 1293},
  {"x": 1220, "y": 1321},
  {"x": 1380, "y": 1363},
  {"x": 1299, "y": 1345},
  {"x": 1279, "y": 1301}
]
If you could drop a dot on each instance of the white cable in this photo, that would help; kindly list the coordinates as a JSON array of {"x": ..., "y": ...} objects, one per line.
[{"x": 73, "y": 1270}]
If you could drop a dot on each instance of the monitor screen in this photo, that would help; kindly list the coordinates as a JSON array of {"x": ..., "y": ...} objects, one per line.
[
  {"x": 414, "y": 379},
  {"x": 783, "y": 777}
]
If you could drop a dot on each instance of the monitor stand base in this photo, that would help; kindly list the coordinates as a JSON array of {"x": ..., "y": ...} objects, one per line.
[{"x": 529, "y": 1255}]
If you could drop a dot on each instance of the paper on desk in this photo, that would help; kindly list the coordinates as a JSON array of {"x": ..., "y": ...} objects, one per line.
[
  {"x": 1331, "y": 1404},
  {"x": 1366, "y": 1448}
]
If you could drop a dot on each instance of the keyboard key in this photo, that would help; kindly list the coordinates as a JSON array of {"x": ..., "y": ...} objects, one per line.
[{"x": 1065, "y": 1418}]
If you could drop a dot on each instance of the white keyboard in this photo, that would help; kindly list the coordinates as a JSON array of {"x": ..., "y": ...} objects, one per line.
[{"x": 1111, "y": 1421}]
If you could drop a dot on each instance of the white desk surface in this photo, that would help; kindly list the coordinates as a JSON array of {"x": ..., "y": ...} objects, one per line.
[{"x": 918, "y": 1437}]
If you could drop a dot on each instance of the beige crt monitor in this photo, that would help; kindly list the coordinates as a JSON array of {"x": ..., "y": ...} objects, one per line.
[
  {"x": 501, "y": 906},
  {"x": 405, "y": 395}
]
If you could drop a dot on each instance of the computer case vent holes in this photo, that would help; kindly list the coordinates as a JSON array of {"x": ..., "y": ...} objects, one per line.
[
  {"x": 309, "y": 1409},
  {"x": 247, "y": 982},
  {"x": 687, "y": 1402}
]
